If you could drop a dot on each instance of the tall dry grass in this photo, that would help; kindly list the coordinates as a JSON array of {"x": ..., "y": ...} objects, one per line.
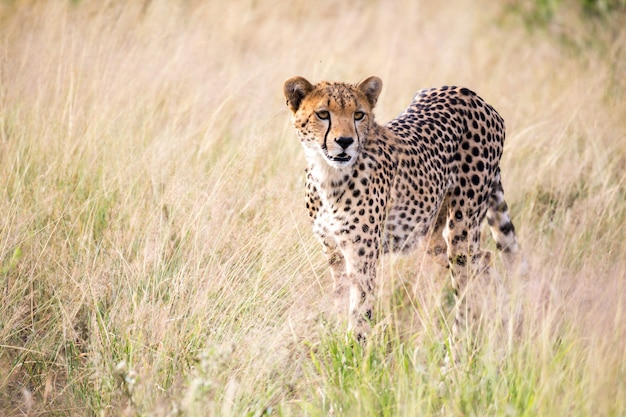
[{"x": 155, "y": 255}]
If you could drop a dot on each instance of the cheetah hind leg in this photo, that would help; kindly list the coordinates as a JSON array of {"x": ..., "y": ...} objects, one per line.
[
  {"x": 436, "y": 243},
  {"x": 464, "y": 263}
]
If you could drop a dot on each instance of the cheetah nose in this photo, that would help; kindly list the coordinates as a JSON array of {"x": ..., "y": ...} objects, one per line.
[{"x": 344, "y": 142}]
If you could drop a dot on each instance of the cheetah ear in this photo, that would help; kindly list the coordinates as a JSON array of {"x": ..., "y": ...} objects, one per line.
[
  {"x": 371, "y": 87},
  {"x": 295, "y": 89}
]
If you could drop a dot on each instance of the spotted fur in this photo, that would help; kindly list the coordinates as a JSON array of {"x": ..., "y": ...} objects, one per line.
[{"x": 433, "y": 172}]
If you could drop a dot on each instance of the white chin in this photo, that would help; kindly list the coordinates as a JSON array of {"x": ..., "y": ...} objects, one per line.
[
  {"x": 340, "y": 163},
  {"x": 317, "y": 156}
]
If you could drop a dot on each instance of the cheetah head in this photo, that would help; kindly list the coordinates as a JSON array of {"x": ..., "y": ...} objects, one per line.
[{"x": 332, "y": 119}]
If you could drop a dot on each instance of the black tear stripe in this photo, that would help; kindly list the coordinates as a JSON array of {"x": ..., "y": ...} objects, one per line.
[
  {"x": 325, "y": 146},
  {"x": 356, "y": 133}
]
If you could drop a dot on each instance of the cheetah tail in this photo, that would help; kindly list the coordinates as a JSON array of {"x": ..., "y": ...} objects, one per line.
[{"x": 502, "y": 228}]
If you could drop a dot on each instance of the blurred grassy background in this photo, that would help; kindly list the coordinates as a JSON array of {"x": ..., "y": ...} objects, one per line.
[{"x": 155, "y": 254}]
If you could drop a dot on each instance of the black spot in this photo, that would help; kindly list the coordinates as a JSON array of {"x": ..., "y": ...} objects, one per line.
[
  {"x": 475, "y": 179},
  {"x": 507, "y": 228}
]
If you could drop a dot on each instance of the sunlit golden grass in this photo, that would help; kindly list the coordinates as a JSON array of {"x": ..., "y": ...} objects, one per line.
[{"x": 156, "y": 257}]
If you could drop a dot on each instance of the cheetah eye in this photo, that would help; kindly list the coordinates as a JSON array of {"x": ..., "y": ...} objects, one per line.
[
  {"x": 358, "y": 115},
  {"x": 323, "y": 114}
]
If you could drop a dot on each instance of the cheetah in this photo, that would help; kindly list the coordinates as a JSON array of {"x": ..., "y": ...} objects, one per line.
[{"x": 431, "y": 173}]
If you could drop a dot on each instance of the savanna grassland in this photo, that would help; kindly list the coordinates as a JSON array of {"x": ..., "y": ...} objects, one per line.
[{"x": 156, "y": 257}]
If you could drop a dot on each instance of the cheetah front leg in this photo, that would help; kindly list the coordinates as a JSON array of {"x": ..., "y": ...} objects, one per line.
[
  {"x": 360, "y": 276},
  {"x": 341, "y": 292},
  {"x": 353, "y": 288},
  {"x": 362, "y": 297}
]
